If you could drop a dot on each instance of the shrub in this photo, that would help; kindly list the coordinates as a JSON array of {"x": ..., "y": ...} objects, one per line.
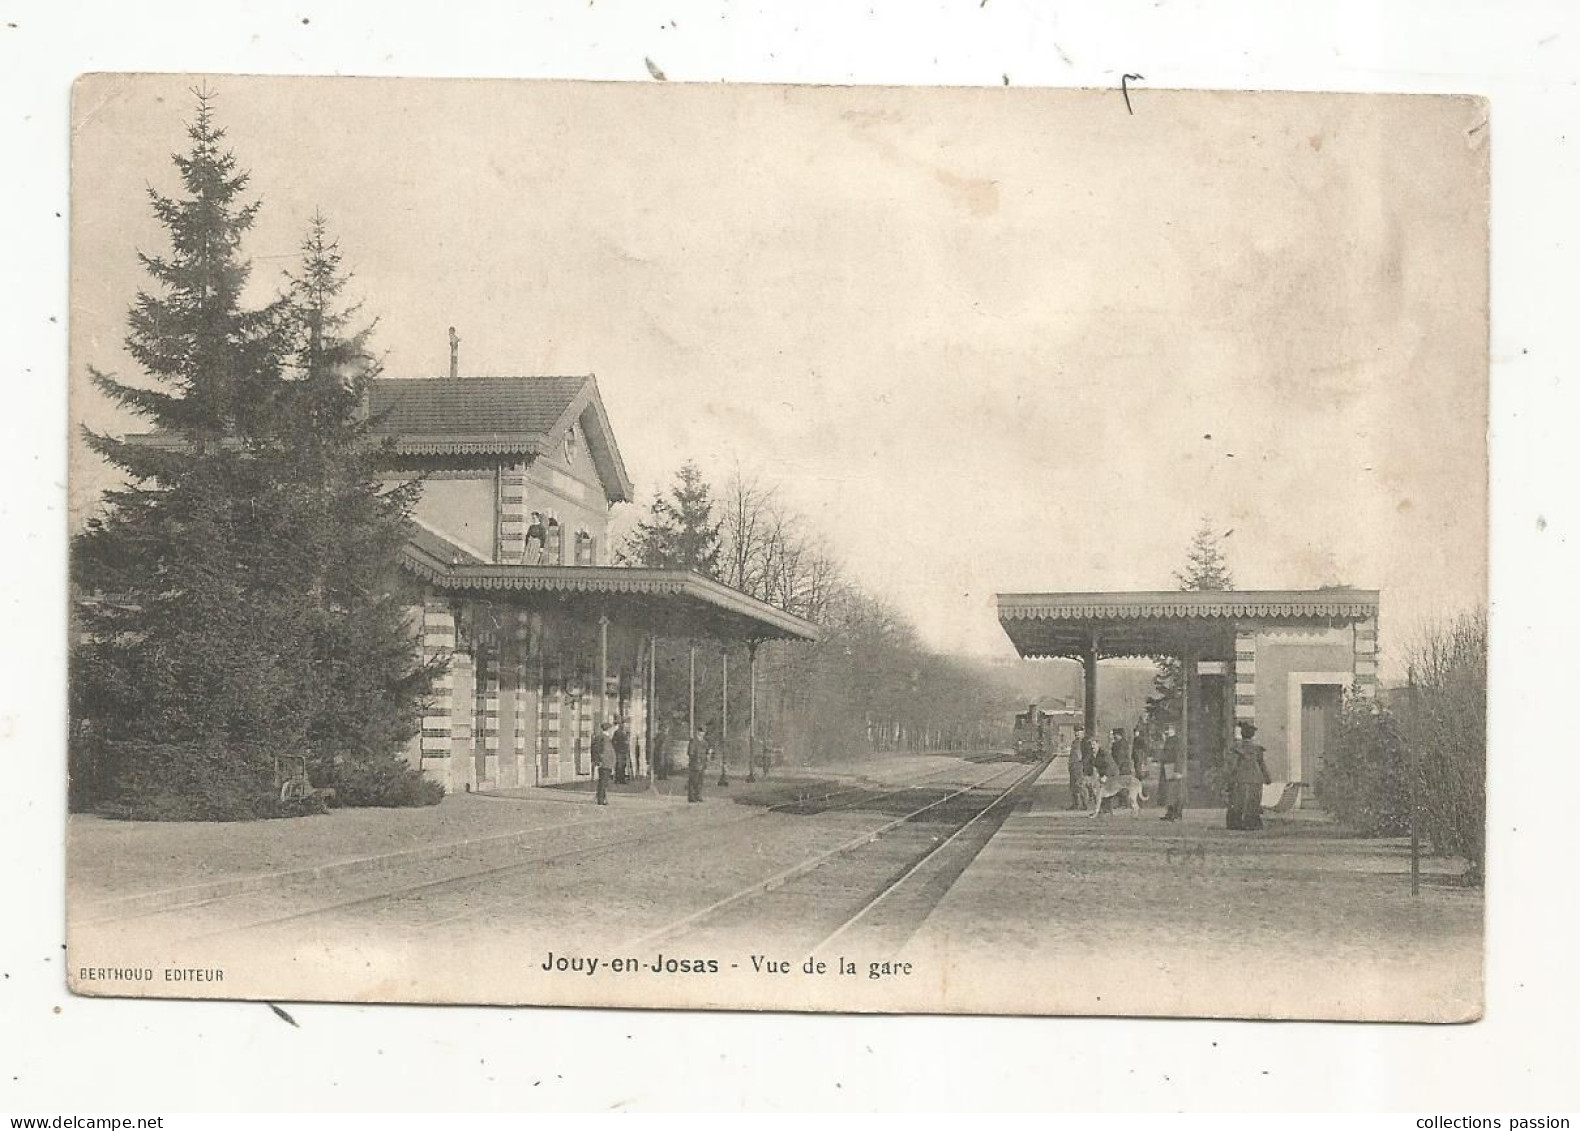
[
  {"x": 1364, "y": 781},
  {"x": 1443, "y": 720},
  {"x": 165, "y": 781},
  {"x": 1427, "y": 756},
  {"x": 383, "y": 783}
]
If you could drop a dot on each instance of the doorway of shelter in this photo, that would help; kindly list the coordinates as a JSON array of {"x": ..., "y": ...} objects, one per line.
[{"x": 1319, "y": 718}]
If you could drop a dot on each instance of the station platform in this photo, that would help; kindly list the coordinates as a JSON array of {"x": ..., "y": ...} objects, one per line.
[{"x": 1125, "y": 914}]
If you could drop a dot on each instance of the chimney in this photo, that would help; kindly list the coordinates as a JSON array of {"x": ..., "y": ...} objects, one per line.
[{"x": 455, "y": 355}]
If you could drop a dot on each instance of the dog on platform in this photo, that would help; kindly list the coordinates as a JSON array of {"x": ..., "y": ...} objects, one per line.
[{"x": 1128, "y": 784}]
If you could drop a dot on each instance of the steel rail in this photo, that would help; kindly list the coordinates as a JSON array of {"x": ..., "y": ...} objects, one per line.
[
  {"x": 795, "y": 871},
  {"x": 536, "y": 859},
  {"x": 895, "y": 884}
]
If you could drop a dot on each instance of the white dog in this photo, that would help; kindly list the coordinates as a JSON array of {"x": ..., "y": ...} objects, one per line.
[{"x": 1128, "y": 784}]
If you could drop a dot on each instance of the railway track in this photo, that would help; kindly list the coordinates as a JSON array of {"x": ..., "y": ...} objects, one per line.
[
  {"x": 483, "y": 882},
  {"x": 870, "y": 892}
]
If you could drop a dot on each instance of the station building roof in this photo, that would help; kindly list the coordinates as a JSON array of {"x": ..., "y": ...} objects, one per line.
[
  {"x": 1166, "y": 622},
  {"x": 522, "y": 416},
  {"x": 671, "y": 603},
  {"x": 497, "y": 416}
]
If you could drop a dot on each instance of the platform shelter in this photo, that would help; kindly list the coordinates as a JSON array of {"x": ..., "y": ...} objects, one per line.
[
  {"x": 513, "y": 582},
  {"x": 1279, "y": 658}
]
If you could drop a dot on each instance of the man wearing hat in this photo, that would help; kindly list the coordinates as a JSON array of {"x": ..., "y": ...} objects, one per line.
[
  {"x": 1077, "y": 747},
  {"x": 1171, "y": 783},
  {"x": 696, "y": 760},
  {"x": 603, "y": 758}
]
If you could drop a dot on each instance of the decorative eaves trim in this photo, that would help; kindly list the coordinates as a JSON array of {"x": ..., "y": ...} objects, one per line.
[
  {"x": 1350, "y": 604},
  {"x": 605, "y": 579}
]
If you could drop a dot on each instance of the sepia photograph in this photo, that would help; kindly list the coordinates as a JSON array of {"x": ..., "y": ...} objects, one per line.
[{"x": 860, "y": 549}]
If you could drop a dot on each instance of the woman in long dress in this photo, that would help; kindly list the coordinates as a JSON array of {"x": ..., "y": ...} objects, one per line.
[{"x": 1247, "y": 775}]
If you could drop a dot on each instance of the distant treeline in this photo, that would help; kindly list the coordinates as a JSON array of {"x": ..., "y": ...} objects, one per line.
[{"x": 869, "y": 685}]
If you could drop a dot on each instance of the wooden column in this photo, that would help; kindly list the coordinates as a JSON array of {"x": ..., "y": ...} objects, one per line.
[
  {"x": 603, "y": 671},
  {"x": 1187, "y": 696},
  {"x": 751, "y": 713},
  {"x": 1089, "y": 663},
  {"x": 724, "y": 719},
  {"x": 652, "y": 695}
]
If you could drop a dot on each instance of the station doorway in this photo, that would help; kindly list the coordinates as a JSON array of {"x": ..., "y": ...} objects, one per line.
[{"x": 1319, "y": 720}]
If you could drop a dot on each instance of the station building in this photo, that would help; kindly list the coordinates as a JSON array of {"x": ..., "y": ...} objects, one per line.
[
  {"x": 513, "y": 579},
  {"x": 1279, "y": 658}
]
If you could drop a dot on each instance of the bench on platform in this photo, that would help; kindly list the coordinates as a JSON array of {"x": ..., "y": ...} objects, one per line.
[{"x": 1289, "y": 795}]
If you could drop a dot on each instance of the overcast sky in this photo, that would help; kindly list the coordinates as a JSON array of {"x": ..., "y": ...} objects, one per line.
[{"x": 987, "y": 339}]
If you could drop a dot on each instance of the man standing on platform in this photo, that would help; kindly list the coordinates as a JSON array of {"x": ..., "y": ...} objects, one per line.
[
  {"x": 1120, "y": 753},
  {"x": 602, "y": 754},
  {"x": 621, "y": 741},
  {"x": 1077, "y": 754},
  {"x": 696, "y": 759},
  {"x": 658, "y": 756},
  {"x": 1171, "y": 783}
]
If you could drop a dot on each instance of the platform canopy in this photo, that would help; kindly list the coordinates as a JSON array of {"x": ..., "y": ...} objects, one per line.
[
  {"x": 1167, "y": 622},
  {"x": 677, "y": 604}
]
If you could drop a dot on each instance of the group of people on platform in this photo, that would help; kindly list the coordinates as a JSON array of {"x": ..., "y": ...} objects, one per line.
[
  {"x": 612, "y": 758},
  {"x": 1129, "y": 754}
]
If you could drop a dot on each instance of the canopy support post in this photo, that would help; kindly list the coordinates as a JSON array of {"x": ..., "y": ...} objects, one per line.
[
  {"x": 603, "y": 671},
  {"x": 751, "y": 713},
  {"x": 1187, "y": 695},
  {"x": 1089, "y": 663},
  {"x": 652, "y": 726},
  {"x": 724, "y": 718}
]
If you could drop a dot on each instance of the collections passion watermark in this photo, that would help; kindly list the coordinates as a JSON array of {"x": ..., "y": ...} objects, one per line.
[{"x": 592, "y": 966}]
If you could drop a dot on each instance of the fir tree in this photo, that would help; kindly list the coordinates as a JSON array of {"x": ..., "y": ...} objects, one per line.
[
  {"x": 368, "y": 686},
  {"x": 179, "y": 689},
  {"x": 240, "y": 605},
  {"x": 1206, "y": 569},
  {"x": 680, "y": 531}
]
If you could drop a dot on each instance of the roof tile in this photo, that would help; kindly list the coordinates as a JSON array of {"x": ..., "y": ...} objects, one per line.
[{"x": 472, "y": 407}]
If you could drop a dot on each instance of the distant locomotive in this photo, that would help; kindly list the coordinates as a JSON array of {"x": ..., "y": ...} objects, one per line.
[{"x": 1042, "y": 734}]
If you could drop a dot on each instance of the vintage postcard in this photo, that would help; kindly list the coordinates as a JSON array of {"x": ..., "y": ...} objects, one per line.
[{"x": 752, "y": 547}]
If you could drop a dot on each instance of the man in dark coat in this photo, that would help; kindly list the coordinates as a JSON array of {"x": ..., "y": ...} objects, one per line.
[
  {"x": 696, "y": 760},
  {"x": 602, "y": 755},
  {"x": 1171, "y": 783},
  {"x": 1140, "y": 751},
  {"x": 621, "y": 741},
  {"x": 1119, "y": 745},
  {"x": 1077, "y": 752},
  {"x": 658, "y": 756}
]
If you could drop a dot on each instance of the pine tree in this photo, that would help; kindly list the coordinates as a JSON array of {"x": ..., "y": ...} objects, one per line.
[
  {"x": 179, "y": 692},
  {"x": 368, "y": 685},
  {"x": 680, "y": 531},
  {"x": 241, "y": 607},
  {"x": 1206, "y": 569}
]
